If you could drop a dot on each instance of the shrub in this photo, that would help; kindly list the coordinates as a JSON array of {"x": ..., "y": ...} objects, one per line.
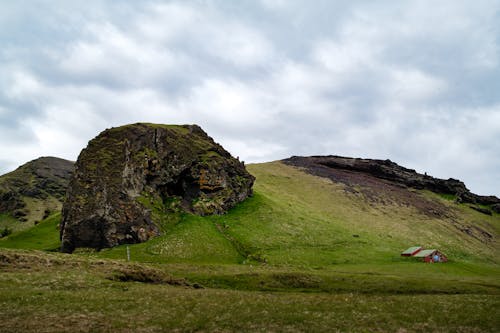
[{"x": 5, "y": 232}]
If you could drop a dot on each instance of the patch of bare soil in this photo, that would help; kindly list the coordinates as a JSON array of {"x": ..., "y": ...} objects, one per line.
[
  {"x": 375, "y": 190},
  {"x": 379, "y": 191}
]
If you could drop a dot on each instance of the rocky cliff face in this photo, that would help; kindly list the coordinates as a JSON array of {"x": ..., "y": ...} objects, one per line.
[
  {"x": 392, "y": 172},
  {"x": 127, "y": 173},
  {"x": 41, "y": 182}
]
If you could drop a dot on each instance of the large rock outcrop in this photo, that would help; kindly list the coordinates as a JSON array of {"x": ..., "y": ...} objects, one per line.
[
  {"x": 127, "y": 173},
  {"x": 36, "y": 188},
  {"x": 392, "y": 172}
]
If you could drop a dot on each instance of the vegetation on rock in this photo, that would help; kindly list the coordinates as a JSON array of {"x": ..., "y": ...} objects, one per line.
[{"x": 128, "y": 174}]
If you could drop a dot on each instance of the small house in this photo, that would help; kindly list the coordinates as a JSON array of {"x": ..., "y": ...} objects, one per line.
[
  {"x": 411, "y": 251},
  {"x": 431, "y": 256}
]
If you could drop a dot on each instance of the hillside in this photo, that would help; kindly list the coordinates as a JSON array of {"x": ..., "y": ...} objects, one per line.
[
  {"x": 304, "y": 253},
  {"x": 384, "y": 176},
  {"x": 33, "y": 191},
  {"x": 299, "y": 219}
]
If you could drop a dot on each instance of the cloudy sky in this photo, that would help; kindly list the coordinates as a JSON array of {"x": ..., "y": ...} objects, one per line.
[{"x": 417, "y": 82}]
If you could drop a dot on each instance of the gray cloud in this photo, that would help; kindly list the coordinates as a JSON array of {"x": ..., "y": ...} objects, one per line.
[{"x": 415, "y": 82}]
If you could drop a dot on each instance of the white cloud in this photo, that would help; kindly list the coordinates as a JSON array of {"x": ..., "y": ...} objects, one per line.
[
  {"x": 74, "y": 128},
  {"x": 239, "y": 45},
  {"x": 274, "y": 4},
  {"x": 255, "y": 150},
  {"x": 106, "y": 52},
  {"x": 22, "y": 84},
  {"x": 206, "y": 30},
  {"x": 413, "y": 85},
  {"x": 230, "y": 104},
  {"x": 345, "y": 57},
  {"x": 268, "y": 80},
  {"x": 166, "y": 22}
]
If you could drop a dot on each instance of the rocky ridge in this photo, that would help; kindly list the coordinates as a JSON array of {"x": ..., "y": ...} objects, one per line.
[
  {"x": 391, "y": 172},
  {"x": 127, "y": 174},
  {"x": 36, "y": 188}
]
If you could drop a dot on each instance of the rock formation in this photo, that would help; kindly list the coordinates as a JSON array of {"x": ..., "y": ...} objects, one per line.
[
  {"x": 127, "y": 173},
  {"x": 394, "y": 173},
  {"x": 43, "y": 182}
]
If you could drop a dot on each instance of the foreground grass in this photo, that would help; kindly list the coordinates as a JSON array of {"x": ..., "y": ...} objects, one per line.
[{"x": 42, "y": 292}]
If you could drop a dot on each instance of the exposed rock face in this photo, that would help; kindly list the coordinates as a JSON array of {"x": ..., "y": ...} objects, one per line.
[
  {"x": 388, "y": 170},
  {"x": 482, "y": 210},
  {"x": 125, "y": 169},
  {"x": 43, "y": 180}
]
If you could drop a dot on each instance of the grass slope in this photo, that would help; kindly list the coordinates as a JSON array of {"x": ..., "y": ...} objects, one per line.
[
  {"x": 302, "y": 221},
  {"x": 299, "y": 220},
  {"x": 300, "y": 255},
  {"x": 295, "y": 219},
  {"x": 43, "y": 236}
]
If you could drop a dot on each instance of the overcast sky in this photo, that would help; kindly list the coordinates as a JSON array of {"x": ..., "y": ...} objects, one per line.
[{"x": 417, "y": 82}]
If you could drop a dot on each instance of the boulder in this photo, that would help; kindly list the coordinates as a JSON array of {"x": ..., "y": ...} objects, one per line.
[{"x": 128, "y": 173}]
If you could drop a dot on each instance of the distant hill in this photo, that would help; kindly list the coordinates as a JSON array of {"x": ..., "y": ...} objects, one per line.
[
  {"x": 378, "y": 176},
  {"x": 33, "y": 191}
]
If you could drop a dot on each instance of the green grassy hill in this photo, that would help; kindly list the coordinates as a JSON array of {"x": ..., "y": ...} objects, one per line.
[
  {"x": 296, "y": 219},
  {"x": 301, "y": 254},
  {"x": 43, "y": 236},
  {"x": 33, "y": 191}
]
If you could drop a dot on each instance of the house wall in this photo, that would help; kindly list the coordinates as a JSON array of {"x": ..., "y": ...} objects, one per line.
[{"x": 430, "y": 258}]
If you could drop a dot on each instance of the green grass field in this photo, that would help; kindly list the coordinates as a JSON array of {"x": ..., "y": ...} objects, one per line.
[
  {"x": 301, "y": 255},
  {"x": 43, "y": 236}
]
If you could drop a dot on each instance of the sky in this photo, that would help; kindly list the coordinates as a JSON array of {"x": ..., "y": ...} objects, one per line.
[{"x": 416, "y": 82}]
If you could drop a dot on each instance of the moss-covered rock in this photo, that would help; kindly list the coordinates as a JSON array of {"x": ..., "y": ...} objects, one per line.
[{"x": 127, "y": 174}]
